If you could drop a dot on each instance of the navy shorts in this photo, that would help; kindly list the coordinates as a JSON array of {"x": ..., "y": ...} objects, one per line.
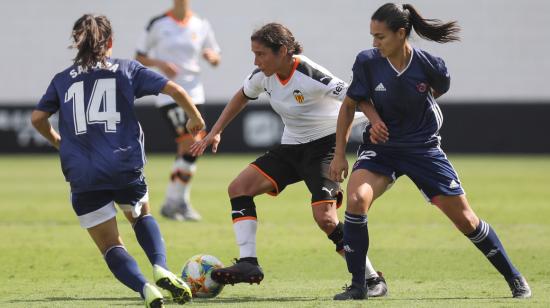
[
  {"x": 95, "y": 207},
  {"x": 428, "y": 168},
  {"x": 309, "y": 162}
]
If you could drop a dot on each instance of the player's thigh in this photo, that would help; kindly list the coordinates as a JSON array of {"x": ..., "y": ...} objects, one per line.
[
  {"x": 431, "y": 172},
  {"x": 269, "y": 173},
  {"x": 105, "y": 235},
  {"x": 364, "y": 186},
  {"x": 175, "y": 118},
  {"x": 93, "y": 207},
  {"x": 314, "y": 170},
  {"x": 133, "y": 200},
  {"x": 459, "y": 212},
  {"x": 251, "y": 182}
]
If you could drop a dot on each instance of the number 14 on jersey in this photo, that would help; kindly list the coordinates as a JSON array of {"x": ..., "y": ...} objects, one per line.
[{"x": 101, "y": 106}]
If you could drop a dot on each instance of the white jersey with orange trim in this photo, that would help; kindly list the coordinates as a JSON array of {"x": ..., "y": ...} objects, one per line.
[
  {"x": 308, "y": 101},
  {"x": 181, "y": 43}
]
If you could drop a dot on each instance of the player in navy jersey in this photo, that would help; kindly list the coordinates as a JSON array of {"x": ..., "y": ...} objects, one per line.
[
  {"x": 402, "y": 82},
  {"x": 100, "y": 144},
  {"x": 307, "y": 97}
]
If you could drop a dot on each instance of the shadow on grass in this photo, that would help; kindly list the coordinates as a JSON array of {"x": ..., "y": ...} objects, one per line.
[
  {"x": 439, "y": 298},
  {"x": 244, "y": 299},
  {"x": 75, "y": 299},
  {"x": 136, "y": 299}
]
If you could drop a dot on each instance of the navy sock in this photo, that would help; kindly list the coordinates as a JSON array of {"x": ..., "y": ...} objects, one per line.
[
  {"x": 486, "y": 240},
  {"x": 356, "y": 245},
  {"x": 149, "y": 237},
  {"x": 125, "y": 268}
]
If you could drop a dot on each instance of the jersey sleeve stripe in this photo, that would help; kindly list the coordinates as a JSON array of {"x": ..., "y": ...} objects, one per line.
[
  {"x": 250, "y": 98},
  {"x": 315, "y": 74},
  {"x": 153, "y": 20}
]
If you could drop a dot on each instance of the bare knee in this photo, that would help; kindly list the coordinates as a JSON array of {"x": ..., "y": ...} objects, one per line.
[
  {"x": 459, "y": 212},
  {"x": 468, "y": 223},
  {"x": 236, "y": 189},
  {"x": 358, "y": 203}
]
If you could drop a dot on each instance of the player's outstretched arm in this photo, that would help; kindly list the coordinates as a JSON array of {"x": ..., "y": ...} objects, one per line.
[
  {"x": 213, "y": 138},
  {"x": 339, "y": 164},
  {"x": 169, "y": 69},
  {"x": 195, "y": 123},
  {"x": 40, "y": 121}
]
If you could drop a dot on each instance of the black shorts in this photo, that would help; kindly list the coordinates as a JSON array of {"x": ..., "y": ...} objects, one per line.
[
  {"x": 174, "y": 115},
  {"x": 309, "y": 162}
]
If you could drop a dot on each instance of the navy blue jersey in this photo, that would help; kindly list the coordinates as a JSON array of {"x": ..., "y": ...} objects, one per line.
[
  {"x": 101, "y": 139},
  {"x": 403, "y": 100}
]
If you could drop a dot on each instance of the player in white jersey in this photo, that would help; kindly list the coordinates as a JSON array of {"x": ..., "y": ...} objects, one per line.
[
  {"x": 174, "y": 42},
  {"x": 308, "y": 98}
]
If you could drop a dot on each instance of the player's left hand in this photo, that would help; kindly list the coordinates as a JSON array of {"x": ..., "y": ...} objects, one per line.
[{"x": 378, "y": 132}]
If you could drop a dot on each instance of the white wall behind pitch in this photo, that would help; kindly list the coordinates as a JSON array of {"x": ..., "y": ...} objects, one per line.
[{"x": 504, "y": 53}]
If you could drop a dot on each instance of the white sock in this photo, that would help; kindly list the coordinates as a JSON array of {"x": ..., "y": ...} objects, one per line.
[
  {"x": 245, "y": 232},
  {"x": 369, "y": 270}
]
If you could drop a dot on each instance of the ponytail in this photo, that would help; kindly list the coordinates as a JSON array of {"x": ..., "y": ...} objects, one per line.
[
  {"x": 91, "y": 36},
  {"x": 407, "y": 17}
]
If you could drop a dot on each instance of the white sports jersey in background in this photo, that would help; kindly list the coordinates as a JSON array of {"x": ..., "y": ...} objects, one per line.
[
  {"x": 182, "y": 43},
  {"x": 308, "y": 101}
]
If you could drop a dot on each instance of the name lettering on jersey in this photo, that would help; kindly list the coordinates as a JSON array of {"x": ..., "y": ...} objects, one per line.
[
  {"x": 422, "y": 87},
  {"x": 79, "y": 70},
  {"x": 339, "y": 87},
  {"x": 298, "y": 96},
  {"x": 380, "y": 88}
]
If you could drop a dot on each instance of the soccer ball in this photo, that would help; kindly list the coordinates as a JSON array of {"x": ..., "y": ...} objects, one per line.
[{"x": 196, "y": 273}]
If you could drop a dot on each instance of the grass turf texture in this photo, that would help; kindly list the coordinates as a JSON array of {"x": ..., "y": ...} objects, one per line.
[{"x": 47, "y": 260}]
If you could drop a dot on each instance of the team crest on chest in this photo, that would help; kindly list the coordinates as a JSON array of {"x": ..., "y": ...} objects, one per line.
[
  {"x": 421, "y": 87},
  {"x": 298, "y": 96}
]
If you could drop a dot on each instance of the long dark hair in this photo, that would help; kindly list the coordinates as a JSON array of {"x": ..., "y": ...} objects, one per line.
[
  {"x": 406, "y": 16},
  {"x": 91, "y": 35},
  {"x": 274, "y": 36}
]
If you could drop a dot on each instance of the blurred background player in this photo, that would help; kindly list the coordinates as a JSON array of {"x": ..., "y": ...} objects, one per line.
[
  {"x": 307, "y": 97},
  {"x": 402, "y": 82},
  {"x": 100, "y": 144},
  {"x": 174, "y": 43}
]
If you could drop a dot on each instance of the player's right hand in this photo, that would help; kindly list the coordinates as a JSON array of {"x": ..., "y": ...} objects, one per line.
[
  {"x": 169, "y": 69},
  {"x": 195, "y": 125},
  {"x": 338, "y": 167},
  {"x": 198, "y": 147}
]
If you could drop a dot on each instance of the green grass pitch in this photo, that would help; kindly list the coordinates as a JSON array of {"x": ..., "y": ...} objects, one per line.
[{"x": 47, "y": 260}]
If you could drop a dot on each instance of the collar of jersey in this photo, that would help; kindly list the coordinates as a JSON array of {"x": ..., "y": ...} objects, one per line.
[
  {"x": 406, "y": 67},
  {"x": 181, "y": 23},
  {"x": 294, "y": 66}
]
